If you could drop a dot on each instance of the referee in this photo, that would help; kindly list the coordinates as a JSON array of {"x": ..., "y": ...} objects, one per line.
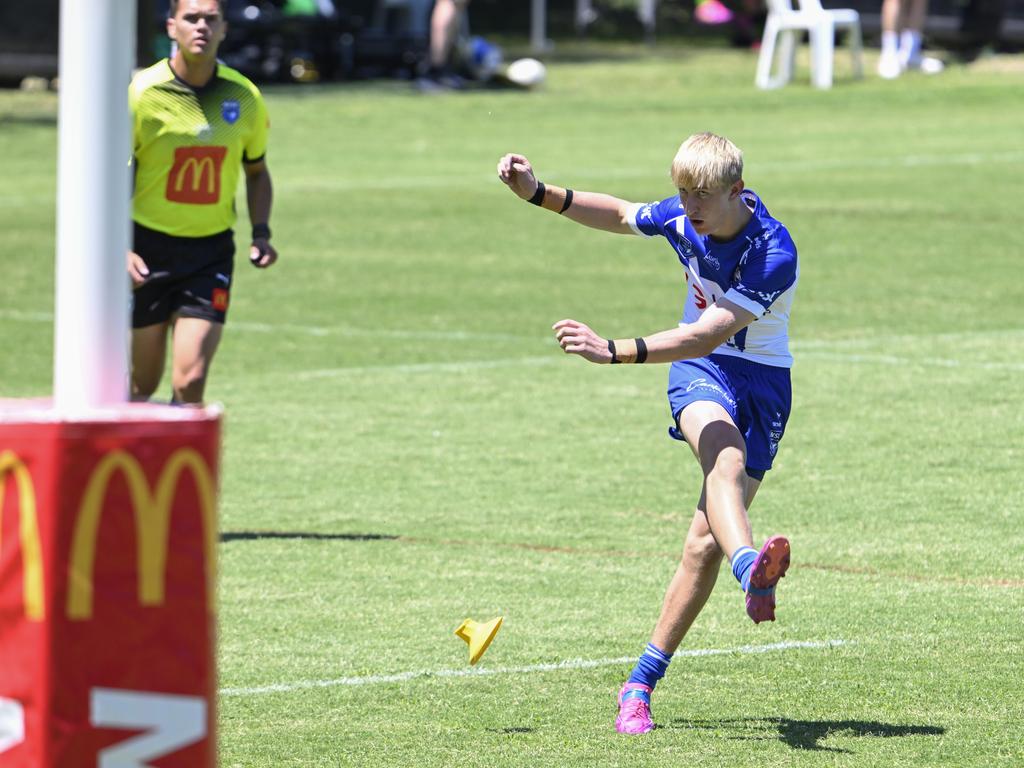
[{"x": 197, "y": 125}]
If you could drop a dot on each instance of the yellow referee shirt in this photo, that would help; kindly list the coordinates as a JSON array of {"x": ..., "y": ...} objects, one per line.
[{"x": 188, "y": 148}]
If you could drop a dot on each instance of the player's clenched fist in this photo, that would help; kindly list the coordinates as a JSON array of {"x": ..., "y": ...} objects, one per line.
[
  {"x": 577, "y": 339},
  {"x": 516, "y": 173}
]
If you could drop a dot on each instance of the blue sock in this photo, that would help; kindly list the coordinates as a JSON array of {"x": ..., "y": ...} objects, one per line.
[
  {"x": 742, "y": 562},
  {"x": 650, "y": 667}
]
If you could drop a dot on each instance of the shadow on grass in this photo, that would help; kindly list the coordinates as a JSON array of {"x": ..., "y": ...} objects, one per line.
[
  {"x": 806, "y": 734},
  {"x": 518, "y": 729},
  {"x": 12, "y": 119},
  {"x": 226, "y": 536}
]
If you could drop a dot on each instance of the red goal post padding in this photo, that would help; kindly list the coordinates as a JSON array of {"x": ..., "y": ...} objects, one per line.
[{"x": 108, "y": 542}]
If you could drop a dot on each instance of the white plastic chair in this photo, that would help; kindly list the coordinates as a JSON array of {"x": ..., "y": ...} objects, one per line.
[{"x": 783, "y": 25}]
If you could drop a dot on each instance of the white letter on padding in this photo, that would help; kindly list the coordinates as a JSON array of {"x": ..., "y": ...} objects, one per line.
[{"x": 171, "y": 722}]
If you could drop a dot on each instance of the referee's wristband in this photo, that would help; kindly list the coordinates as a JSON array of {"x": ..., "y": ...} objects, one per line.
[
  {"x": 260, "y": 232},
  {"x": 552, "y": 198},
  {"x": 628, "y": 350}
]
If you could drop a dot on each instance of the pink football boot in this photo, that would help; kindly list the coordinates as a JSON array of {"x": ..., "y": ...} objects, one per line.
[
  {"x": 770, "y": 566},
  {"x": 634, "y": 709}
]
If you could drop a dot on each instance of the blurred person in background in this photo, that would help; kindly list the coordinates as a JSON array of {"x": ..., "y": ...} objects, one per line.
[
  {"x": 445, "y": 22},
  {"x": 902, "y": 26}
]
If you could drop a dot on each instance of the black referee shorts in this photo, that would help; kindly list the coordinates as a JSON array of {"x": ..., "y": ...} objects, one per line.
[{"x": 188, "y": 276}]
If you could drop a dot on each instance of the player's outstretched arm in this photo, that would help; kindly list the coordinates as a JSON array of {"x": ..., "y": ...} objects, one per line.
[
  {"x": 593, "y": 209},
  {"x": 719, "y": 323}
]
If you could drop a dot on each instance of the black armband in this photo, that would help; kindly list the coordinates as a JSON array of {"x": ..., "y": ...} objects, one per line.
[
  {"x": 538, "y": 196},
  {"x": 568, "y": 201},
  {"x": 260, "y": 232},
  {"x": 641, "y": 349},
  {"x": 628, "y": 350}
]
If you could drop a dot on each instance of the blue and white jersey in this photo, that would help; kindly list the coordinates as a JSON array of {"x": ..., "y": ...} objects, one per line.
[{"x": 756, "y": 270}]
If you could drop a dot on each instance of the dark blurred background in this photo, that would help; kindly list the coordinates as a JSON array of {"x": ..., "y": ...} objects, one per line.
[{"x": 313, "y": 40}]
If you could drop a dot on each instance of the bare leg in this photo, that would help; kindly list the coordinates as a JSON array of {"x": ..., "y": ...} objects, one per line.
[
  {"x": 443, "y": 26},
  {"x": 195, "y": 344},
  {"x": 913, "y": 14},
  {"x": 889, "y": 65},
  {"x": 720, "y": 525},
  {"x": 891, "y": 15},
  {"x": 694, "y": 579},
  {"x": 149, "y": 348},
  {"x": 720, "y": 449}
]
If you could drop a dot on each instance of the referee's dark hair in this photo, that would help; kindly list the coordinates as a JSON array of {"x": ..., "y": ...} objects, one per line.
[{"x": 172, "y": 10}]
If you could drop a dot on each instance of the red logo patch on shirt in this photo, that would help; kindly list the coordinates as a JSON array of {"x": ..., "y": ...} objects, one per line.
[
  {"x": 195, "y": 175},
  {"x": 220, "y": 299}
]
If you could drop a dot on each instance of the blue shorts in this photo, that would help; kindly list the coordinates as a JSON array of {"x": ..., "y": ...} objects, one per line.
[{"x": 758, "y": 397}]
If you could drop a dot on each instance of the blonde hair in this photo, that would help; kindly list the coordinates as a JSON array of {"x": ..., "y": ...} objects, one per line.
[{"x": 707, "y": 161}]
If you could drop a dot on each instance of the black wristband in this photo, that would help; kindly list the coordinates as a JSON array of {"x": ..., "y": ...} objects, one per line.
[
  {"x": 641, "y": 350},
  {"x": 260, "y": 232},
  {"x": 611, "y": 348},
  {"x": 568, "y": 201},
  {"x": 538, "y": 196}
]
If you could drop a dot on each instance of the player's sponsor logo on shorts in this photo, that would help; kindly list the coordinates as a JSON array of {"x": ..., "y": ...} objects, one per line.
[
  {"x": 223, "y": 278},
  {"x": 195, "y": 176},
  {"x": 220, "y": 299},
  {"x": 230, "y": 110},
  {"x": 702, "y": 383}
]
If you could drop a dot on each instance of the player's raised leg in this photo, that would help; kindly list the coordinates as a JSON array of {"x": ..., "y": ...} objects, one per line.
[
  {"x": 195, "y": 344},
  {"x": 694, "y": 579},
  {"x": 149, "y": 348},
  {"x": 720, "y": 448}
]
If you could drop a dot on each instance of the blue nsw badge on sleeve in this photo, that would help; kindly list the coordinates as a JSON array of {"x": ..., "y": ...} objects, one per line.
[{"x": 230, "y": 110}]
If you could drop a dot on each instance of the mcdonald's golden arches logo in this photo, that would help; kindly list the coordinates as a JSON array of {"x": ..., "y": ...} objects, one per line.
[
  {"x": 28, "y": 530},
  {"x": 195, "y": 175},
  {"x": 152, "y": 509}
]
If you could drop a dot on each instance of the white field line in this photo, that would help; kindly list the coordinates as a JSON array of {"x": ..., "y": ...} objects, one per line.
[
  {"x": 822, "y": 349},
  {"x": 457, "y": 367},
  {"x": 927, "y": 362},
  {"x": 854, "y": 358},
  {"x": 310, "y": 330},
  {"x": 473, "y": 180},
  {"x": 559, "y": 666},
  {"x": 800, "y": 345}
]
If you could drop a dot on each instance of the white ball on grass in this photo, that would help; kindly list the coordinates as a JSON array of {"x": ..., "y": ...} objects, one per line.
[{"x": 526, "y": 72}]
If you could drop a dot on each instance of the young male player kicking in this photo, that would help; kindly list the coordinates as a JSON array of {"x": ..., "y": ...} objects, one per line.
[{"x": 729, "y": 385}]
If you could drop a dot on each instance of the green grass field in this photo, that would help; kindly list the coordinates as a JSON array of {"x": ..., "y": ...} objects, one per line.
[{"x": 394, "y": 398}]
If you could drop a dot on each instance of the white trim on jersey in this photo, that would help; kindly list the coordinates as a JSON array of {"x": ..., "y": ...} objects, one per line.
[
  {"x": 746, "y": 303},
  {"x": 634, "y": 209}
]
